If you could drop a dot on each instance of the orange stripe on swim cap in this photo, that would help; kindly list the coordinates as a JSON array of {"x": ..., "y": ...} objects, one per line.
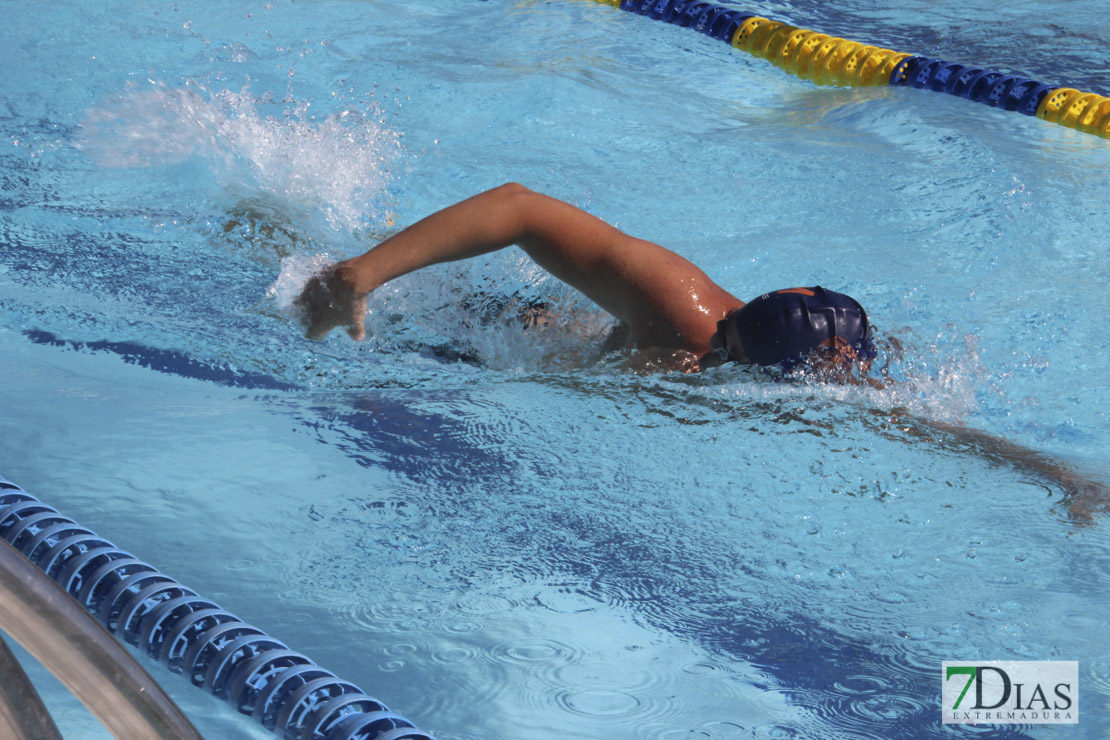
[{"x": 802, "y": 291}]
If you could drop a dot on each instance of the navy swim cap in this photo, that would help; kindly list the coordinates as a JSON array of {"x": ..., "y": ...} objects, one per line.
[{"x": 783, "y": 327}]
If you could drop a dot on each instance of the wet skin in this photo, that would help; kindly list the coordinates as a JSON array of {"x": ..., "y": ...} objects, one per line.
[{"x": 668, "y": 304}]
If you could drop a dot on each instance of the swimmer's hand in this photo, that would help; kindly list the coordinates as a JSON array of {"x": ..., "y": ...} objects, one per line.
[{"x": 329, "y": 299}]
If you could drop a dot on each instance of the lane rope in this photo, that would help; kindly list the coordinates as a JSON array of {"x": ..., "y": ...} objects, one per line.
[
  {"x": 238, "y": 663},
  {"x": 828, "y": 60}
]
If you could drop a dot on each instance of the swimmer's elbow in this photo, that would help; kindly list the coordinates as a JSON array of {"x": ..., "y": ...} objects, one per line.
[
  {"x": 512, "y": 188},
  {"x": 512, "y": 203},
  {"x": 520, "y": 211}
]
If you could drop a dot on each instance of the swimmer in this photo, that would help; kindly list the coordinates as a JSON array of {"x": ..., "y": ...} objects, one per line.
[{"x": 668, "y": 308}]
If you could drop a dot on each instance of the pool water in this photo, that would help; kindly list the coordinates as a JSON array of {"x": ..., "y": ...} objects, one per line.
[{"x": 489, "y": 528}]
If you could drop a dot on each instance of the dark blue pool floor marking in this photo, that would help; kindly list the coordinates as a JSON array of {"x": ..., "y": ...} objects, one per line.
[
  {"x": 393, "y": 431},
  {"x": 170, "y": 362},
  {"x": 803, "y": 657},
  {"x": 407, "y": 440}
]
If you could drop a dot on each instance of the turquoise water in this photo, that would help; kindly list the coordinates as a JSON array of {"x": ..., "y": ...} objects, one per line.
[{"x": 482, "y": 526}]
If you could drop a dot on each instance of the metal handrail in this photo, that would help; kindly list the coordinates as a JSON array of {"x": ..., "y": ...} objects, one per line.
[{"x": 85, "y": 657}]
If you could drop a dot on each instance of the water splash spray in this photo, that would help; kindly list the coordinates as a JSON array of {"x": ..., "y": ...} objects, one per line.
[{"x": 337, "y": 165}]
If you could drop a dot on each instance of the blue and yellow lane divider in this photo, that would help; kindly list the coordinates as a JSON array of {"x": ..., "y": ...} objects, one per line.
[{"x": 828, "y": 60}]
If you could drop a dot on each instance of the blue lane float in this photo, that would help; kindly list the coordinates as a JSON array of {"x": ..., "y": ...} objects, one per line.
[
  {"x": 828, "y": 60},
  {"x": 240, "y": 664}
]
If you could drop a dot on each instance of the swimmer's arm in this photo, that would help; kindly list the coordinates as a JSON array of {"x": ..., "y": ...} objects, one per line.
[
  {"x": 484, "y": 223},
  {"x": 1084, "y": 496},
  {"x": 498, "y": 218},
  {"x": 620, "y": 273}
]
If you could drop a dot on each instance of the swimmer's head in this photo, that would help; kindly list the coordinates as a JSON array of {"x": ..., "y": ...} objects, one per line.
[{"x": 788, "y": 327}]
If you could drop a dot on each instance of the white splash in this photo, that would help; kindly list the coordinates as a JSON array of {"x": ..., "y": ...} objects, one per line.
[{"x": 337, "y": 165}]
